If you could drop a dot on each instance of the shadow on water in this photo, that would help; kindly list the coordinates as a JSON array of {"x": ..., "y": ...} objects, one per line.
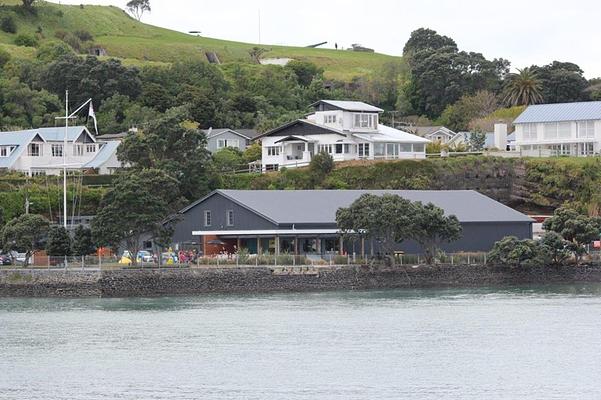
[{"x": 306, "y": 299}]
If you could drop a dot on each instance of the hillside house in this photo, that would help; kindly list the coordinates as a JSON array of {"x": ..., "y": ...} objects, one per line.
[
  {"x": 220, "y": 138},
  {"x": 563, "y": 129},
  {"x": 347, "y": 130},
  {"x": 438, "y": 134},
  {"x": 40, "y": 151}
]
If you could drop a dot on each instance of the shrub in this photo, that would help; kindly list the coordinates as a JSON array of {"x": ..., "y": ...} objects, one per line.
[
  {"x": 512, "y": 252},
  {"x": 26, "y": 40},
  {"x": 8, "y": 24},
  {"x": 4, "y": 57},
  {"x": 83, "y": 35}
]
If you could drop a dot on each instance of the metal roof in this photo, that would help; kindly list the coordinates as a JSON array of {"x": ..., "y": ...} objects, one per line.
[
  {"x": 320, "y": 206},
  {"x": 588, "y": 110},
  {"x": 246, "y": 133},
  {"x": 388, "y": 134},
  {"x": 350, "y": 105},
  {"x": 103, "y": 155}
]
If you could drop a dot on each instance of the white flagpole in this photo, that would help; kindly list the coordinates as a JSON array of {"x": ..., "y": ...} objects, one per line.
[{"x": 65, "y": 159}]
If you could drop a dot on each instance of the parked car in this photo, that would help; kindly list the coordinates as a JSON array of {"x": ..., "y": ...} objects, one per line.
[
  {"x": 5, "y": 260},
  {"x": 143, "y": 256}
]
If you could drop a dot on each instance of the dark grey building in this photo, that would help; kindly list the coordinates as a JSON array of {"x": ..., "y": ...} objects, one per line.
[{"x": 303, "y": 221}]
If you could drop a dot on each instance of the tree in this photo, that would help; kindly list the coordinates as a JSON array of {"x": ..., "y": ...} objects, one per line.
[
  {"x": 253, "y": 152},
  {"x": 228, "y": 159},
  {"x": 458, "y": 116},
  {"x": 430, "y": 228},
  {"x": 305, "y": 71},
  {"x": 477, "y": 141},
  {"x": 167, "y": 144},
  {"x": 83, "y": 244},
  {"x": 386, "y": 219},
  {"x": 562, "y": 82},
  {"x": 28, "y": 4},
  {"x": 137, "y": 8},
  {"x": 556, "y": 247},
  {"x": 25, "y": 234},
  {"x": 513, "y": 252},
  {"x": 256, "y": 53},
  {"x": 8, "y": 25},
  {"x": 427, "y": 39},
  {"x": 135, "y": 208},
  {"x": 523, "y": 88},
  {"x": 321, "y": 165},
  {"x": 58, "y": 242},
  {"x": 574, "y": 227}
]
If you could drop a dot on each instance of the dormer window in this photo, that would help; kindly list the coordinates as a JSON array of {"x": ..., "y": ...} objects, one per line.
[
  {"x": 34, "y": 150},
  {"x": 365, "y": 121},
  {"x": 329, "y": 119}
]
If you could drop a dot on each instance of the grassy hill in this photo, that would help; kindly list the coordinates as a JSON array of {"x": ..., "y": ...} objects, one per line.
[{"x": 124, "y": 37}]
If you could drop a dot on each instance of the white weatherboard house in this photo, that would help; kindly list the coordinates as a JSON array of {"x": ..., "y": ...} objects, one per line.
[
  {"x": 564, "y": 129},
  {"x": 348, "y": 130},
  {"x": 40, "y": 151}
]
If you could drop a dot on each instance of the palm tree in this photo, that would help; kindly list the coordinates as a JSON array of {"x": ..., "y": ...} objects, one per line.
[{"x": 523, "y": 88}]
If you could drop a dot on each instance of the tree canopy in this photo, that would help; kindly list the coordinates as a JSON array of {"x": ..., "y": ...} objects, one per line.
[
  {"x": 137, "y": 8},
  {"x": 26, "y": 234}
]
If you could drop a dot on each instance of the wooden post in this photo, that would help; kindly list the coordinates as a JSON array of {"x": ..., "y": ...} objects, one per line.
[
  {"x": 318, "y": 245},
  {"x": 296, "y": 245},
  {"x": 341, "y": 245},
  {"x": 258, "y": 245},
  {"x": 277, "y": 245}
]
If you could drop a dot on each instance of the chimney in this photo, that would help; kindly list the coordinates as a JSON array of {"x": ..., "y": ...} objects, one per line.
[{"x": 500, "y": 138}]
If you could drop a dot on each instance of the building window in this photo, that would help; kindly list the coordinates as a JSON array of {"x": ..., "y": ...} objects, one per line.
[
  {"x": 363, "y": 150},
  {"x": 325, "y": 148},
  {"x": 550, "y": 130},
  {"x": 57, "y": 150},
  {"x": 585, "y": 129},
  {"x": 529, "y": 132},
  {"x": 90, "y": 148},
  {"x": 34, "y": 150},
  {"x": 208, "y": 218},
  {"x": 329, "y": 119},
  {"x": 419, "y": 148},
  {"x": 38, "y": 173},
  {"x": 3, "y": 151},
  {"x": 78, "y": 150},
  {"x": 221, "y": 143},
  {"x": 347, "y": 149},
  {"x": 339, "y": 148},
  {"x": 366, "y": 121},
  {"x": 273, "y": 150},
  {"x": 564, "y": 130},
  {"x": 405, "y": 148},
  {"x": 229, "y": 216}
]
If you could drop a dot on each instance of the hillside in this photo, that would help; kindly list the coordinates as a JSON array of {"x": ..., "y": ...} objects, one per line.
[{"x": 135, "y": 42}]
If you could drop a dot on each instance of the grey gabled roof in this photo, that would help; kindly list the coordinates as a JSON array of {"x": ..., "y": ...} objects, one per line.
[
  {"x": 319, "y": 206},
  {"x": 345, "y": 105},
  {"x": 588, "y": 110},
  {"x": 245, "y": 133}
]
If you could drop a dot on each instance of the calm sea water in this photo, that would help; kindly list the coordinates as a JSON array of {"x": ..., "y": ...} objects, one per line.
[{"x": 524, "y": 343}]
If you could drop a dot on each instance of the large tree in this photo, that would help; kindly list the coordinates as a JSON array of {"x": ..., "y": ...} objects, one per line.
[
  {"x": 134, "y": 209},
  {"x": 137, "y": 8},
  {"x": 580, "y": 230},
  {"x": 523, "y": 88},
  {"x": 430, "y": 228},
  {"x": 174, "y": 147},
  {"x": 83, "y": 244},
  {"x": 25, "y": 234},
  {"x": 58, "y": 242},
  {"x": 427, "y": 39},
  {"x": 562, "y": 82},
  {"x": 385, "y": 219}
]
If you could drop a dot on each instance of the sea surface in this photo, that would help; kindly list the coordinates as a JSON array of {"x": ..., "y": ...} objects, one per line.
[{"x": 518, "y": 343}]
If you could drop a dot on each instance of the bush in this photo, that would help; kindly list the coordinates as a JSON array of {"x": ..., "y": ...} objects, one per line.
[
  {"x": 4, "y": 57},
  {"x": 512, "y": 252},
  {"x": 84, "y": 36},
  {"x": 8, "y": 24},
  {"x": 26, "y": 40}
]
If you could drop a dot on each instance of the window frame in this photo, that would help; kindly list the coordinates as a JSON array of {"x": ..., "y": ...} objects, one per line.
[
  {"x": 55, "y": 150},
  {"x": 229, "y": 217},
  {"x": 208, "y": 218},
  {"x": 30, "y": 153}
]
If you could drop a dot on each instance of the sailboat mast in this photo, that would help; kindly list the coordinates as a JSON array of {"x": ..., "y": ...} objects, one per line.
[{"x": 65, "y": 159}]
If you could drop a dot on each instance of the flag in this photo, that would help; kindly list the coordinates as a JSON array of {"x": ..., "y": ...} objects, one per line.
[{"x": 92, "y": 115}]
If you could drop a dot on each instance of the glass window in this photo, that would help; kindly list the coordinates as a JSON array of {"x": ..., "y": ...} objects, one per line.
[
  {"x": 564, "y": 129},
  {"x": 550, "y": 130},
  {"x": 325, "y": 148},
  {"x": 363, "y": 149},
  {"x": 273, "y": 151},
  {"x": 347, "y": 149},
  {"x": 90, "y": 148},
  {"x": 405, "y": 148},
  {"x": 529, "y": 132},
  {"x": 208, "y": 218},
  {"x": 3, "y": 151},
  {"x": 57, "y": 150},
  {"x": 392, "y": 149},
  {"x": 230, "y": 217},
  {"x": 585, "y": 129},
  {"x": 78, "y": 150},
  {"x": 339, "y": 148},
  {"x": 34, "y": 150},
  {"x": 379, "y": 149},
  {"x": 419, "y": 148}
]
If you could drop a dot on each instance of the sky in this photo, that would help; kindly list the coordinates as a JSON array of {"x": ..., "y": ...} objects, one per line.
[{"x": 526, "y": 32}]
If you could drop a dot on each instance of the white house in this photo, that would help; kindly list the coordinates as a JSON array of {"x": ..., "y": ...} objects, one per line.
[
  {"x": 40, "y": 151},
  {"x": 568, "y": 129},
  {"x": 438, "y": 134},
  {"x": 348, "y": 130}
]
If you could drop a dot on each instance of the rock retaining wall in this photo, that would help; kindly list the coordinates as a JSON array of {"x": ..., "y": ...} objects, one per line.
[{"x": 164, "y": 282}]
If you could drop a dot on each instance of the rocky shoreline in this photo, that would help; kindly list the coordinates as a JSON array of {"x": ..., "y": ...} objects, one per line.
[{"x": 169, "y": 282}]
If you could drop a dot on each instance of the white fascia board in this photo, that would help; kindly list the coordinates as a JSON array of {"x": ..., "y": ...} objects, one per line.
[{"x": 272, "y": 232}]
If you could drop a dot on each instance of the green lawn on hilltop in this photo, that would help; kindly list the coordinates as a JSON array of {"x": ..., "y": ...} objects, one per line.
[{"x": 124, "y": 37}]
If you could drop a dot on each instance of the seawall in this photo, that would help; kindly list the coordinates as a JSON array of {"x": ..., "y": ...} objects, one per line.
[{"x": 164, "y": 282}]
